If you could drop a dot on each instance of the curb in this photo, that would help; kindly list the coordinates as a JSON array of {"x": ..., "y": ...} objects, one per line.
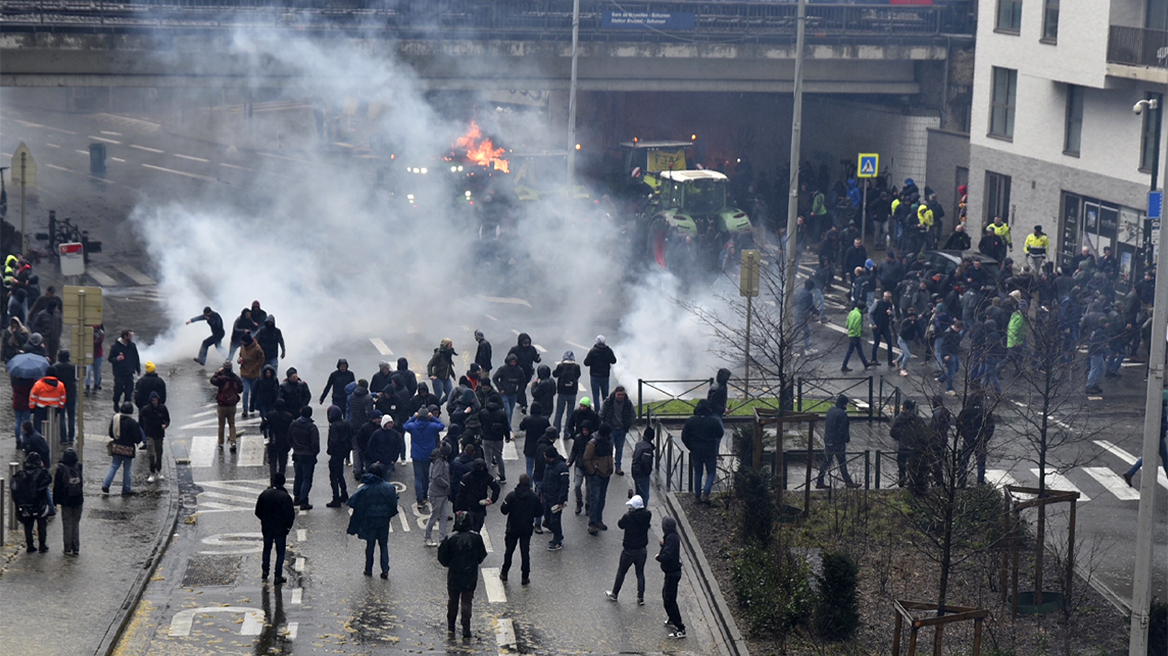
[
  {"x": 122, "y": 618},
  {"x": 731, "y": 636}
]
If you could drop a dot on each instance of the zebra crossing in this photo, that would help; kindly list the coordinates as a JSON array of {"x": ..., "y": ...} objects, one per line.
[{"x": 1089, "y": 481}]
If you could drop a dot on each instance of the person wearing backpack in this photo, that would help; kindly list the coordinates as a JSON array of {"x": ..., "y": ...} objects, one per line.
[
  {"x": 125, "y": 434},
  {"x": 276, "y": 513},
  {"x": 69, "y": 493},
  {"x": 643, "y": 463},
  {"x": 340, "y": 443},
  {"x": 30, "y": 495},
  {"x": 154, "y": 419},
  {"x": 567, "y": 375}
]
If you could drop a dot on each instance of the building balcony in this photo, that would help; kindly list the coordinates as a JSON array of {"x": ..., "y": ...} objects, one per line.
[{"x": 1137, "y": 53}]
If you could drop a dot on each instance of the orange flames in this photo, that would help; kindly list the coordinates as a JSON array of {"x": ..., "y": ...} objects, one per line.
[{"x": 482, "y": 151}]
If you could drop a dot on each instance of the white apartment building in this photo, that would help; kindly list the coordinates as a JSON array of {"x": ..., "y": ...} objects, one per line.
[{"x": 1053, "y": 138}]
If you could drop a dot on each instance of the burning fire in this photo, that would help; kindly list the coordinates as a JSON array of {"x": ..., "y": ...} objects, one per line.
[{"x": 481, "y": 151}]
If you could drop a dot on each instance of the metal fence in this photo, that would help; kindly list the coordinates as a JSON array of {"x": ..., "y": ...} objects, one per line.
[
  {"x": 540, "y": 20},
  {"x": 1137, "y": 46},
  {"x": 871, "y": 397}
]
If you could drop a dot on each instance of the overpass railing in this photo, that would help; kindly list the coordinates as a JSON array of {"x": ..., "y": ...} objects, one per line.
[{"x": 551, "y": 20}]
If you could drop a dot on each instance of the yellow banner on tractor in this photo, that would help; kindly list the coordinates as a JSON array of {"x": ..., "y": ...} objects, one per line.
[{"x": 666, "y": 160}]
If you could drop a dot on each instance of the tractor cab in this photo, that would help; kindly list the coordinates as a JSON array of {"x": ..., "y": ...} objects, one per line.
[{"x": 644, "y": 161}]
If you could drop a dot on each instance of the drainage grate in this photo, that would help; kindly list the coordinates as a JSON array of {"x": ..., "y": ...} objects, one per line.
[
  {"x": 212, "y": 570},
  {"x": 115, "y": 515}
]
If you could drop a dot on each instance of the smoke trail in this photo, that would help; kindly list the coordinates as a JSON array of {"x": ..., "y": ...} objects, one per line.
[{"x": 336, "y": 257}]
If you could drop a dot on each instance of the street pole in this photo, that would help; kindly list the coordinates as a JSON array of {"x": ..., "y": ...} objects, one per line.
[
  {"x": 572, "y": 100},
  {"x": 864, "y": 214},
  {"x": 790, "y": 253},
  {"x": 82, "y": 349},
  {"x": 746, "y": 374},
  {"x": 23, "y": 184},
  {"x": 1154, "y": 398}
]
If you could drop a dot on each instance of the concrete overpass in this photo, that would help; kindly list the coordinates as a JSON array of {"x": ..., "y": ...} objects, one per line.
[{"x": 476, "y": 45}]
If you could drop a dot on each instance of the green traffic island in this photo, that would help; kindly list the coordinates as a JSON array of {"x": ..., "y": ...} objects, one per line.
[{"x": 836, "y": 581}]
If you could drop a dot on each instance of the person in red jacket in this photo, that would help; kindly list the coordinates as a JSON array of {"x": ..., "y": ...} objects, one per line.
[{"x": 230, "y": 387}]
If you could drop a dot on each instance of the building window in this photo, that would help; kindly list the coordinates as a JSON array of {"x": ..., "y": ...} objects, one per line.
[
  {"x": 997, "y": 197},
  {"x": 1009, "y": 16},
  {"x": 1005, "y": 93},
  {"x": 1050, "y": 15},
  {"x": 1073, "y": 134},
  {"x": 1149, "y": 148}
]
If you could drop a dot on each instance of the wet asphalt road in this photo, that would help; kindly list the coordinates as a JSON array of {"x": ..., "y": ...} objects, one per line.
[{"x": 328, "y": 606}]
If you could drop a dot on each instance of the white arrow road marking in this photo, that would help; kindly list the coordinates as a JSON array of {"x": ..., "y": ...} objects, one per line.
[{"x": 235, "y": 543}]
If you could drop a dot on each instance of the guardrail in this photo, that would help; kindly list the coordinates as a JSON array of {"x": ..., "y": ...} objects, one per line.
[
  {"x": 1137, "y": 46},
  {"x": 540, "y": 20}
]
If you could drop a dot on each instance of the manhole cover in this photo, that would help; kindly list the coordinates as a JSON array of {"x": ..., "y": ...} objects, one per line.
[
  {"x": 212, "y": 570},
  {"x": 115, "y": 515}
]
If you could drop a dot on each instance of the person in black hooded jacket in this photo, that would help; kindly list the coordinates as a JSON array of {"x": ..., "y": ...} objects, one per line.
[
  {"x": 533, "y": 426},
  {"x": 69, "y": 493},
  {"x": 476, "y": 491},
  {"x": 528, "y": 356},
  {"x": 543, "y": 390},
  {"x": 567, "y": 375},
  {"x": 670, "y": 559},
  {"x": 340, "y": 442},
  {"x": 701, "y": 434},
  {"x": 719, "y": 392},
  {"x": 408, "y": 377},
  {"x": 271, "y": 340},
  {"x": 264, "y": 394},
  {"x": 337, "y": 380},
  {"x": 510, "y": 379},
  {"x": 496, "y": 431},
  {"x": 521, "y": 507},
  {"x": 599, "y": 361},
  {"x": 635, "y": 524},
  {"x": 483, "y": 352},
  {"x": 279, "y": 421}
]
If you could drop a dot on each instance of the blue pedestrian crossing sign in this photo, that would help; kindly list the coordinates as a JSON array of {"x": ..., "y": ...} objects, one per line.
[
  {"x": 1155, "y": 204},
  {"x": 869, "y": 166}
]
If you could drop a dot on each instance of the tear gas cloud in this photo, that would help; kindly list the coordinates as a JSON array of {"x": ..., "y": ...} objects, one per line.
[{"x": 337, "y": 259}]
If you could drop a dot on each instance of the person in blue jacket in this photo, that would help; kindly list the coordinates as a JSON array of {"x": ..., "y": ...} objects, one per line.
[
  {"x": 373, "y": 504},
  {"x": 423, "y": 429}
]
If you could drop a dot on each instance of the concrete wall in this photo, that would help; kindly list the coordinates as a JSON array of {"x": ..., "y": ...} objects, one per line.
[
  {"x": 948, "y": 151},
  {"x": 841, "y": 129}
]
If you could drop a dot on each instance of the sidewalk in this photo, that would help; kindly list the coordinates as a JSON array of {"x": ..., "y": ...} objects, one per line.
[{"x": 78, "y": 604}]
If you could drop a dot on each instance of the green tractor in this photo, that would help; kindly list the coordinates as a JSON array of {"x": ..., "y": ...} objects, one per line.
[{"x": 691, "y": 225}]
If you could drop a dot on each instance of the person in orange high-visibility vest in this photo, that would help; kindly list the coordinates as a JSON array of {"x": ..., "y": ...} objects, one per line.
[{"x": 48, "y": 392}]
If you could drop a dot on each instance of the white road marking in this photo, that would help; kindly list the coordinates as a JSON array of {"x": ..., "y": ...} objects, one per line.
[
  {"x": 1131, "y": 460},
  {"x": 404, "y": 519},
  {"x": 293, "y": 630},
  {"x": 83, "y": 152},
  {"x": 1061, "y": 483},
  {"x": 490, "y": 317},
  {"x": 191, "y": 158},
  {"x": 49, "y": 127},
  {"x": 233, "y": 166},
  {"x": 253, "y": 619},
  {"x": 505, "y": 635},
  {"x": 380, "y": 345},
  {"x": 486, "y": 539},
  {"x": 509, "y": 451},
  {"x": 52, "y": 145},
  {"x": 251, "y": 451},
  {"x": 246, "y": 487},
  {"x": 234, "y": 543},
  {"x": 539, "y": 348},
  {"x": 496, "y": 593},
  {"x": 147, "y": 149},
  {"x": 116, "y": 134},
  {"x": 225, "y": 497},
  {"x": 300, "y": 562},
  {"x": 298, "y": 595},
  {"x": 999, "y": 478},
  {"x": 579, "y": 346},
  {"x": 105, "y": 139},
  {"x": 505, "y": 300},
  {"x": 202, "y": 451},
  {"x": 1113, "y": 482},
  {"x": 135, "y": 275},
  {"x": 204, "y": 413},
  {"x": 118, "y": 159},
  {"x": 59, "y": 168},
  {"x": 182, "y": 173},
  {"x": 27, "y": 124},
  {"x": 290, "y": 159}
]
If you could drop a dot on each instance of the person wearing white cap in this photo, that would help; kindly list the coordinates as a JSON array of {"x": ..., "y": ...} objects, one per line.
[
  {"x": 599, "y": 361},
  {"x": 634, "y": 547}
]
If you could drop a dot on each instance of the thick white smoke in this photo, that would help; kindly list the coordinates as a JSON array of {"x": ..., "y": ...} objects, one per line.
[{"x": 336, "y": 259}]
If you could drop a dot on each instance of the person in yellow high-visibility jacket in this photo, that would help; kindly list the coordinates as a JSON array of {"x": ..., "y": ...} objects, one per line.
[
  {"x": 925, "y": 224},
  {"x": 1035, "y": 247},
  {"x": 1003, "y": 230}
]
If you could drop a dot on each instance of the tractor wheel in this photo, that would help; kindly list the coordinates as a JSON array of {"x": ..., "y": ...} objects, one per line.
[{"x": 658, "y": 241}]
